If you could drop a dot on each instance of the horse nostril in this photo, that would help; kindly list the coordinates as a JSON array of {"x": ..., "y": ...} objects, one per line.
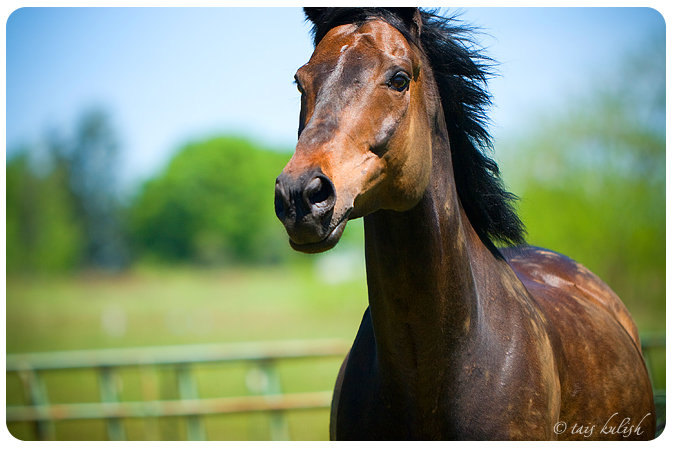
[
  {"x": 280, "y": 201},
  {"x": 279, "y": 208},
  {"x": 320, "y": 192}
]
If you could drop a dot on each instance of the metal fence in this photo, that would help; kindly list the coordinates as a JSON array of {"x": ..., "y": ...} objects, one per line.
[{"x": 264, "y": 356}]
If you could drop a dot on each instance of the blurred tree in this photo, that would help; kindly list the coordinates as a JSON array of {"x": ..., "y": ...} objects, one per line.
[
  {"x": 42, "y": 229},
  {"x": 592, "y": 182},
  {"x": 89, "y": 163},
  {"x": 213, "y": 204},
  {"x": 63, "y": 211}
]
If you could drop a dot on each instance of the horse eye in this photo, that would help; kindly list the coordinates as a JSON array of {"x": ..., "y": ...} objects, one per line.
[
  {"x": 297, "y": 85},
  {"x": 399, "y": 82}
]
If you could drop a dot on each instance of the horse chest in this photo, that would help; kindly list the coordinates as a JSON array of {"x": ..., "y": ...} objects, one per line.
[{"x": 480, "y": 395}]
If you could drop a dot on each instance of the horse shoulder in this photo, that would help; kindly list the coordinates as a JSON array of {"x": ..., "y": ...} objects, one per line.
[{"x": 541, "y": 269}]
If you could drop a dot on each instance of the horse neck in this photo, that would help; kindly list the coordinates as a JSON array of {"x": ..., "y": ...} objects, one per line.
[{"x": 422, "y": 266}]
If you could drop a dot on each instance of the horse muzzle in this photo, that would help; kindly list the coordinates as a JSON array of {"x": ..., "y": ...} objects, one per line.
[{"x": 305, "y": 205}]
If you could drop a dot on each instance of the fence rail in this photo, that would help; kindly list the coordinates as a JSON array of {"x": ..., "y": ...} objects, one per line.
[
  {"x": 264, "y": 357},
  {"x": 163, "y": 408}
]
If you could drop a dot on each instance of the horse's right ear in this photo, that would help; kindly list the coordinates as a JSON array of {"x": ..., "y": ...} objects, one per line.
[{"x": 314, "y": 14}]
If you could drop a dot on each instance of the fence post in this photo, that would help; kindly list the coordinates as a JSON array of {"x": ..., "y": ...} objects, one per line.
[
  {"x": 272, "y": 386},
  {"x": 150, "y": 392},
  {"x": 37, "y": 396},
  {"x": 187, "y": 388},
  {"x": 109, "y": 394}
]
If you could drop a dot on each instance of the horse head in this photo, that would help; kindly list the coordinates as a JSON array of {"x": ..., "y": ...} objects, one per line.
[{"x": 364, "y": 134}]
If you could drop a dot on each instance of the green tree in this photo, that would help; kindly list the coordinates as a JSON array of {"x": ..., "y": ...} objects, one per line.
[
  {"x": 592, "y": 182},
  {"x": 63, "y": 211},
  {"x": 212, "y": 204},
  {"x": 43, "y": 232}
]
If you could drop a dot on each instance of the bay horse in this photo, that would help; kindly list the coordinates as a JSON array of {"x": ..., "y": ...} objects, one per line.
[{"x": 462, "y": 339}]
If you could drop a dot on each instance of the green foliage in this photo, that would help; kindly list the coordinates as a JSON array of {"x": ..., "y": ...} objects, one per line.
[
  {"x": 43, "y": 231},
  {"x": 62, "y": 210},
  {"x": 213, "y": 204},
  {"x": 592, "y": 185}
]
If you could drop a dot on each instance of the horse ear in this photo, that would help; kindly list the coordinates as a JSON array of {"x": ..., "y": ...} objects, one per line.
[
  {"x": 314, "y": 14},
  {"x": 412, "y": 18}
]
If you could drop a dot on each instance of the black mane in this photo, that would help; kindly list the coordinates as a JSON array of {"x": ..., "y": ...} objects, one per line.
[{"x": 461, "y": 76}]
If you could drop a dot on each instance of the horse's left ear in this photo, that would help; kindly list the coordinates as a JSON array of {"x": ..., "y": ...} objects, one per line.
[{"x": 412, "y": 18}]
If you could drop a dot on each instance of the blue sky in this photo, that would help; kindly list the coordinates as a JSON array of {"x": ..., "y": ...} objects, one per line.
[{"x": 169, "y": 75}]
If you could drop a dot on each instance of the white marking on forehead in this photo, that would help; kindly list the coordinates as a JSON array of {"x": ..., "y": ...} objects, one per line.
[
  {"x": 335, "y": 74},
  {"x": 344, "y": 47}
]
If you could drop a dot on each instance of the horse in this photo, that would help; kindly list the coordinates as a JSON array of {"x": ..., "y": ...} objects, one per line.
[{"x": 470, "y": 333}]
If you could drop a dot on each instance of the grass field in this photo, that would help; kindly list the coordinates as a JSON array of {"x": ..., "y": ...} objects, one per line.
[
  {"x": 179, "y": 306},
  {"x": 146, "y": 307}
]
